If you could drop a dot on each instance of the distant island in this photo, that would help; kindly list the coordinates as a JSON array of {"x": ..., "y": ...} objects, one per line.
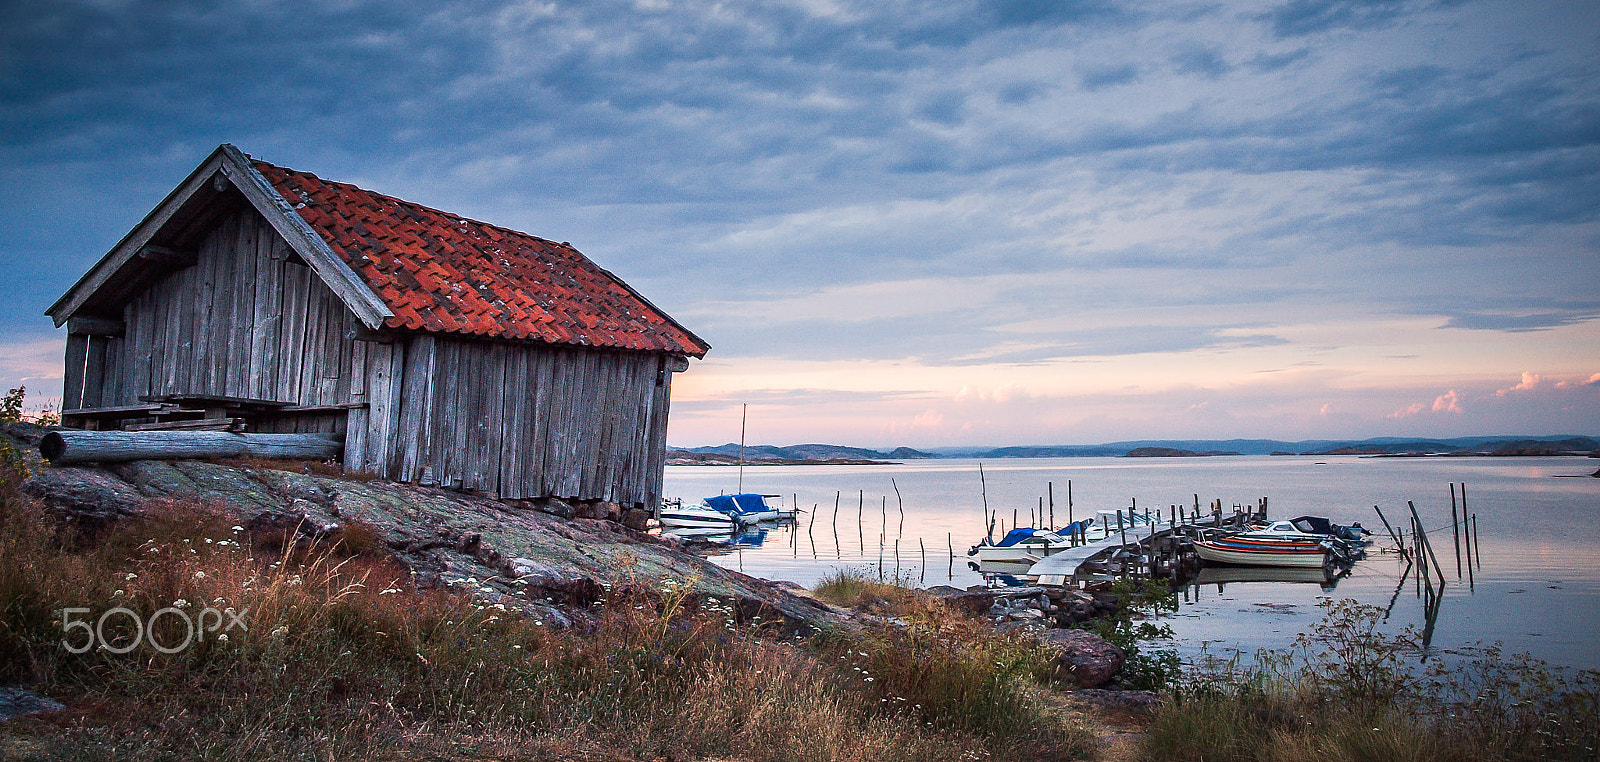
[
  {"x": 791, "y": 455},
  {"x": 1171, "y": 452},
  {"x": 827, "y": 454}
]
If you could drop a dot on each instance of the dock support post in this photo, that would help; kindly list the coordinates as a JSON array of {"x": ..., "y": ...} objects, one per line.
[{"x": 1455, "y": 531}]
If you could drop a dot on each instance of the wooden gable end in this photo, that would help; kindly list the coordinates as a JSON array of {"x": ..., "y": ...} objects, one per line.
[{"x": 247, "y": 319}]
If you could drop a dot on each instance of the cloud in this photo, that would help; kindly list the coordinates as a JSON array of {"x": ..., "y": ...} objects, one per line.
[
  {"x": 960, "y": 185},
  {"x": 1519, "y": 323},
  {"x": 1407, "y": 411},
  {"x": 1300, "y": 18},
  {"x": 35, "y": 363},
  {"x": 1449, "y": 402},
  {"x": 1529, "y": 382},
  {"x": 1099, "y": 78},
  {"x": 1205, "y": 63}
]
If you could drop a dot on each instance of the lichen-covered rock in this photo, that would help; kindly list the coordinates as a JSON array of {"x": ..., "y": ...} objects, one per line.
[
  {"x": 1082, "y": 657},
  {"x": 551, "y": 569},
  {"x": 86, "y": 495},
  {"x": 15, "y": 702}
]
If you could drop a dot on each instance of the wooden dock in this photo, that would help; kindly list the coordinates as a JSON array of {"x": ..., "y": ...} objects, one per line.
[{"x": 1058, "y": 569}]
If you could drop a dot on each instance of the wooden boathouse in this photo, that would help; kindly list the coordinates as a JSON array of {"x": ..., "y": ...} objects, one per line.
[{"x": 443, "y": 350}]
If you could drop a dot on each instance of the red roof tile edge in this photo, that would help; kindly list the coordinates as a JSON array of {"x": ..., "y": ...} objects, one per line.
[{"x": 442, "y": 273}]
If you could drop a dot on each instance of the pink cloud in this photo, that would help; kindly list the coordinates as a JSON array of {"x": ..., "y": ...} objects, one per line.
[
  {"x": 1593, "y": 380},
  {"x": 1407, "y": 412},
  {"x": 1529, "y": 382},
  {"x": 1449, "y": 402}
]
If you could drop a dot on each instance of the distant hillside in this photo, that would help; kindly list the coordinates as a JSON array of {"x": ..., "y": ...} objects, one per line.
[
  {"x": 1397, "y": 446},
  {"x": 807, "y": 452}
]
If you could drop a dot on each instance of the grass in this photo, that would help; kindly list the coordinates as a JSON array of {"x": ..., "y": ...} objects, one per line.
[
  {"x": 337, "y": 655},
  {"x": 1349, "y": 692}
]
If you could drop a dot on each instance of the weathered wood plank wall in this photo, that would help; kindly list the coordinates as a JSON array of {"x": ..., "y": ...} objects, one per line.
[{"x": 521, "y": 420}]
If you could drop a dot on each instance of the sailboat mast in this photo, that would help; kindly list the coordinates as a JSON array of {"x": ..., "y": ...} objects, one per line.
[{"x": 744, "y": 411}]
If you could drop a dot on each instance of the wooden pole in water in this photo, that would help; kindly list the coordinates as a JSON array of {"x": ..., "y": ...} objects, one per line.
[
  {"x": 900, "y": 502},
  {"x": 1401, "y": 546},
  {"x": 983, "y": 489},
  {"x": 1475, "y": 545},
  {"x": 924, "y": 553},
  {"x": 1069, "y": 504},
  {"x": 1426, "y": 544},
  {"x": 861, "y": 526},
  {"x": 1050, "y": 489},
  {"x": 1471, "y": 583},
  {"x": 951, "y": 539},
  {"x": 1124, "y": 532},
  {"x": 1455, "y": 531}
]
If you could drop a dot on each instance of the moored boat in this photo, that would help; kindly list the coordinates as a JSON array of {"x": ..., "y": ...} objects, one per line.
[
  {"x": 1258, "y": 553},
  {"x": 695, "y": 516},
  {"x": 747, "y": 507}
]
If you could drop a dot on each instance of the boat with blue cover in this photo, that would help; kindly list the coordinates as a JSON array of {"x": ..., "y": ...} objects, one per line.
[{"x": 747, "y": 507}]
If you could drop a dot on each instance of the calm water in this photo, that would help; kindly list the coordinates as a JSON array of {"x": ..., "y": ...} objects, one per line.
[{"x": 1537, "y": 590}]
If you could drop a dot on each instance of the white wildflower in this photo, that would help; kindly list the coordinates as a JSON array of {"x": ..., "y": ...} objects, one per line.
[
  {"x": 180, "y": 604},
  {"x": 238, "y": 529},
  {"x": 199, "y": 575},
  {"x": 223, "y": 638},
  {"x": 132, "y": 576}
]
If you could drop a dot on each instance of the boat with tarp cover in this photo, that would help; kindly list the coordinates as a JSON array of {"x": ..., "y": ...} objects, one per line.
[{"x": 747, "y": 507}]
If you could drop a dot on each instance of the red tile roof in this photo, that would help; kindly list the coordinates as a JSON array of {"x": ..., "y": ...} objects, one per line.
[{"x": 442, "y": 273}]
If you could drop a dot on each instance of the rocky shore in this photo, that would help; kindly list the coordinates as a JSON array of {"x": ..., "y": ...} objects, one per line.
[{"x": 550, "y": 559}]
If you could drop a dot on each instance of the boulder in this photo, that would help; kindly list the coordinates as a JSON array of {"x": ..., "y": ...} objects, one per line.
[
  {"x": 16, "y": 702},
  {"x": 636, "y": 519},
  {"x": 1083, "y": 658},
  {"x": 557, "y": 507},
  {"x": 86, "y": 495}
]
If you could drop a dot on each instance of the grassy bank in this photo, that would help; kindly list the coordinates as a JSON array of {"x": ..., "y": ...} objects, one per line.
[
  {"x": 327, "y": 651},
  {"x": 1347, "y": 691}
]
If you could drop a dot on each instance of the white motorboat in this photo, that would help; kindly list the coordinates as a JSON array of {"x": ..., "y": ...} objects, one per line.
[
  {"x": 1020, "y": 545},
  {"x": 696, "y": 516},
  {"x": 1028, "y": 544}
]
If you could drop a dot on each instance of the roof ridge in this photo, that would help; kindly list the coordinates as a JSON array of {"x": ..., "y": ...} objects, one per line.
[{"x": 398, "y": 200}]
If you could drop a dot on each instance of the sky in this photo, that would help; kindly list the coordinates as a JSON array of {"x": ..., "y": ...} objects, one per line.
[{"x": 901, "y": 222}]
